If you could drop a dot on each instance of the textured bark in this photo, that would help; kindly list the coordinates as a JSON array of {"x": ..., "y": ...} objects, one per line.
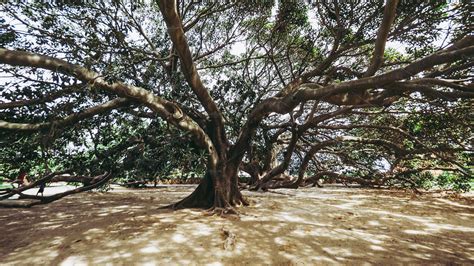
[{"x": 218, "y": 191}]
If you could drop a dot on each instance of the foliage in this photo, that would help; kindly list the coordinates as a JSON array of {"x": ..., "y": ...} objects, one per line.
[{"x": 255, "y": 62}]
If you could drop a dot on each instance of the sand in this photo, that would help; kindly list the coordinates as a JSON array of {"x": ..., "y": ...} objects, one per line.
[{"x": 330, "y": 225}]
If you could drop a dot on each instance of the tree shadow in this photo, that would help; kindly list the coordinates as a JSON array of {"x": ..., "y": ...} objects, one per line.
[{"x": 307, "y": 226}]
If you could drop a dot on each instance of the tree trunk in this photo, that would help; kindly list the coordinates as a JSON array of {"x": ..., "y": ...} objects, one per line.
[
  {"x": 254, "y": 170},
  {"x": 281, "y": 168},
  {"x": 218, "y": 190}
]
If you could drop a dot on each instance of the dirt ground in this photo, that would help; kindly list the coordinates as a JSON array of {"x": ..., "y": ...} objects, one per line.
[{"x": 331, "y": 225}]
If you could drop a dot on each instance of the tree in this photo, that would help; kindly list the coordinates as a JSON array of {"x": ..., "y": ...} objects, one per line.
[{"x": 308, "y": 81}]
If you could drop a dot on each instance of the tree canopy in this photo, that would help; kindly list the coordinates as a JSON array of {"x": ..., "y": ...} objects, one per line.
[{"x": 289, "y": 92}]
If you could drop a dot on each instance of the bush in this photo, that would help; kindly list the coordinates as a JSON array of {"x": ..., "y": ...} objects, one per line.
[{"x": 449, "y": 180}]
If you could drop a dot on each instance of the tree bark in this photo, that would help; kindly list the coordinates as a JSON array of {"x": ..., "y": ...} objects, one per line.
[{"x": 218, "y": 190}]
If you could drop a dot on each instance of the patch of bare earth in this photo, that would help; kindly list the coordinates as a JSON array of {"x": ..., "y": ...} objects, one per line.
[{"x": 331, "y": 225}]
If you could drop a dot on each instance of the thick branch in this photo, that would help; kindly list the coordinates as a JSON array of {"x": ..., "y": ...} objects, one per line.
[
  {"x": 414, "y": 68},
  {"x": 427, "y": 90},
  {"x": 165, "y": 109},
  {"x": 176, "y": 32},
  {"x": 309, "y": 155},
  {"x": 445, "y": 83},
  {"x": 382, "y": 142},
  {"x": 382, "y": 35},
  {"x": 459, "y": 50},
  {"x": 286, "y": 160},
  {"x": 42, "y": 180},
  {"x": 437, "y": 152},
  {"x": 344, "y": 178},
  {"x": 314, "y": 121}
]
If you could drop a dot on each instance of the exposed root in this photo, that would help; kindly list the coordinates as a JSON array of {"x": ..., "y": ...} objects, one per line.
[
  {"x": 240, "y": 201},
  {"x": 188, "y": 203},
  {"x": 206, "y": 196},
  {"x": 193, "y": 201},
  {"x": 224, "y": 212}
]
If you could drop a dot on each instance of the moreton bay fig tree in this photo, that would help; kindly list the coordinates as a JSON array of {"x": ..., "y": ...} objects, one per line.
[{"x": 291, "y": 92}]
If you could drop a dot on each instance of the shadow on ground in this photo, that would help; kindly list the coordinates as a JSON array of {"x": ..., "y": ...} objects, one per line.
[{"x": 308, "y": 226}]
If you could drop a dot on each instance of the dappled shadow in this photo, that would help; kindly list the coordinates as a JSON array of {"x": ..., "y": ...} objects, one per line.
[{"x": 329, "y": 225}]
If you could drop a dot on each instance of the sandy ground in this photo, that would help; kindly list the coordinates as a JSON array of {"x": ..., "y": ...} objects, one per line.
[{"x": 332, "y": 225}]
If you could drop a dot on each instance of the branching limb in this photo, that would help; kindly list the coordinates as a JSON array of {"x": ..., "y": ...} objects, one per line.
[
  {"x": 165, "y": 109},
  {"x": 464, "y": 48},
  {"x": 285, "y": 163},
  {"x": 176, "y": 32},
  {"x": 382, "y": 35},
  {"x": 70, "y": 119}
]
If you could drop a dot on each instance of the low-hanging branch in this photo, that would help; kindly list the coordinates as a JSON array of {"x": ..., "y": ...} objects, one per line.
[
  {"x": 37, "y": 200},
  {"x": 343, "y": 178},
  {"x": 392, "y": 147},
  {"x": 438, "y": 152},
  {"x": 36, "y": 183},
  {"x": 165, "y": 109},
  {"x": 70, "y": 119},
  {"x": 279, "y": 169}
]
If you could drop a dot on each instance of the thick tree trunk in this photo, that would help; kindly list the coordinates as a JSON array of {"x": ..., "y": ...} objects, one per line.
[{"x": 218, "y": 190}]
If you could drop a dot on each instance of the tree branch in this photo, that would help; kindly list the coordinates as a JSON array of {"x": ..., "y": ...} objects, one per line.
[
  {"x": 167, "y": 110},
  {"x": 286, "y": 160},
  {"x": 100, "y": 180},
  {"x": 176, "y": 32},
  {"x": 464, "y": 48},
  {"x": 43, "y": 99},
  {"x": 70, "y": 119},
  {"x": 382, "y": 35}
]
